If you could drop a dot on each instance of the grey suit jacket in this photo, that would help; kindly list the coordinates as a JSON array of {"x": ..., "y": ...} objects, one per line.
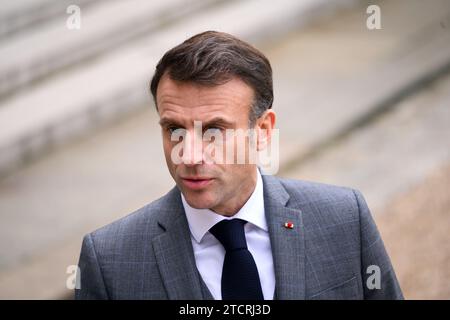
[{"x": 148, "y": 254}]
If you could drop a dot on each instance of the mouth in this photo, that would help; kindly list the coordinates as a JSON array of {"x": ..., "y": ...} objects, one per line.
[{"x": 196, "y": 183}]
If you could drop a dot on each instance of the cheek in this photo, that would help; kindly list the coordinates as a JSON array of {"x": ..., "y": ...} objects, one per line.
[
  {"x": 167, "y": 146},
  {"x": 237, "y": 149}
]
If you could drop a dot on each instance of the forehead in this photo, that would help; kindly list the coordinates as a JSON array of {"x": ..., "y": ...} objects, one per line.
[{"x": 195, "y": 102}]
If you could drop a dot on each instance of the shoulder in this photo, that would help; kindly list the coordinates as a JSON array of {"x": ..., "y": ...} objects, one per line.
[
  {"x": 324, "y": 203},
  {"x": 134, "y": 227},
  {"x": 316, "y": 192},
  {"x": 314, "y": 189}
]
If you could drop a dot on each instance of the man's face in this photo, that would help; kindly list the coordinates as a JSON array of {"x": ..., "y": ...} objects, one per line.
[{"x": 220, "y": 187}]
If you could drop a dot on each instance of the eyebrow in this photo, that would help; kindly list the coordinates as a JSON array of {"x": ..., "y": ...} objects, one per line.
[
  {"x": 164, "y": 122},
  {"x": 217, "y": 121}
]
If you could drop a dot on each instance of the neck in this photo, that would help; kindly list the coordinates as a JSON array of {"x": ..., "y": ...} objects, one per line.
[{"x": 242, "y": 195}]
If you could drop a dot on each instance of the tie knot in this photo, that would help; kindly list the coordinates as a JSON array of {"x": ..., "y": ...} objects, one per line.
[{"x": 230, "y": 234}]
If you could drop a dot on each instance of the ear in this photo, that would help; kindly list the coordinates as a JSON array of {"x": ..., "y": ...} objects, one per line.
[{"x": 264, "y": 127}]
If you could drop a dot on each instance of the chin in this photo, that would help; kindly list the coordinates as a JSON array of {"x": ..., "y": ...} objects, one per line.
[{"x": 199, "y": 200}]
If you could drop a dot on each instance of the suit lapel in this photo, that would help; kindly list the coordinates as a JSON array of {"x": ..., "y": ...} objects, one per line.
[
  {"x": 288, "y": 245},
  {"x": 205, "y": 291},
  {"x": 174, "y": 253}
]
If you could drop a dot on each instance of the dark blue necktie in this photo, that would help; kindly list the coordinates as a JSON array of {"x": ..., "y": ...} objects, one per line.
[{"x": 240, "y": 279}]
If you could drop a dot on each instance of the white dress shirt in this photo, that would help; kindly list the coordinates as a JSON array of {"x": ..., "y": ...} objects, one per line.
[{"x": 210, "y": 254}]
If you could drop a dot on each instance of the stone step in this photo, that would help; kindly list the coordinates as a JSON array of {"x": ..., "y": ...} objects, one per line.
[
  {"x": 344, "y": 73},
  {"x": 80, "y": 99},
  {"x": 392, "y": 153},
  {"x": 44, "y": 50},
  {"x": 20, "y": 16}
]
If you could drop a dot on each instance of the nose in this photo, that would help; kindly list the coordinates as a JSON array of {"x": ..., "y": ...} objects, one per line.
[{"x": 192, "y": 152}]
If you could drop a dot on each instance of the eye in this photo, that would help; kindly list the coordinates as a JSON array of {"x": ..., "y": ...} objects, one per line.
[{"x": 171, "y": 129}]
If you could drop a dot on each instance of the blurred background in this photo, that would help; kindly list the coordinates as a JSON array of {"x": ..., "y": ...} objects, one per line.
[{"x": 361, "y": 102}]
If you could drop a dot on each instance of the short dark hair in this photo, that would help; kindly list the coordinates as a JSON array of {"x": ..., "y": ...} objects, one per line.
[{"x": 212, "y": 58}]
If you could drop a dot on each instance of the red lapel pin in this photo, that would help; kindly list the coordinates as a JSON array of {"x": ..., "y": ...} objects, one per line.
[{"x": 289, "y": 225}]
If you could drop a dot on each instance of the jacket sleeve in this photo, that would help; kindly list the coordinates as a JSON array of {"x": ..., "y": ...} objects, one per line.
[
  {"x": 92, "y": 286},
  {"x": 379, "y": 280}
]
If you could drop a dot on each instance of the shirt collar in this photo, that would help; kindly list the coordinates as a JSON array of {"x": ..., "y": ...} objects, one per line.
[{"x": 201, "y": 220}]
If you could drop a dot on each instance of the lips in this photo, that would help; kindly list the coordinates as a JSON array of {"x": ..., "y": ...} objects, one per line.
[{"x": 196, "y": 183}]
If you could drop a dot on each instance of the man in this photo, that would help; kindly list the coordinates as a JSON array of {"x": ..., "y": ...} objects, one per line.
[{"x": 226, "y": 231}]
